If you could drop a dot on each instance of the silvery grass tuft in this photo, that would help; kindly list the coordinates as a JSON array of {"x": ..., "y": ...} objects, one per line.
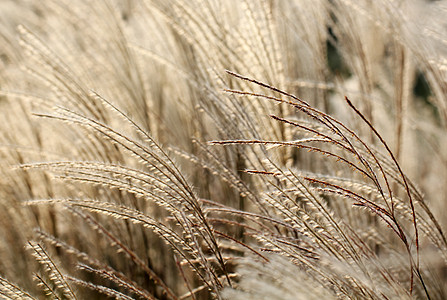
[{"x": 229, "y": 149}]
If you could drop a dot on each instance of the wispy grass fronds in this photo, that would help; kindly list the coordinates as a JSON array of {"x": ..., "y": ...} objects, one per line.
[
  {"x": 11, "y": 291},
  {"x": 121, "y": 283},
  {"x": 345, "y": 142},
  {"x": 111, "y": 293},
  {"x": 115, "y": 276},
  {"x": 266, "y": 281},
  {"x": 165, "y": 184},
  {"x": 54, "y": 274},
  {"x": 172, "y": 149}
]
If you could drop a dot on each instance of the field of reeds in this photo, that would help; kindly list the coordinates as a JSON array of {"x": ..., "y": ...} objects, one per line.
[{"x": 234, "y": 149}]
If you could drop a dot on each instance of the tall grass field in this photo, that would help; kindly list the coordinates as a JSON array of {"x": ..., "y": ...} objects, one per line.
[{"x": 223, "y": 149}]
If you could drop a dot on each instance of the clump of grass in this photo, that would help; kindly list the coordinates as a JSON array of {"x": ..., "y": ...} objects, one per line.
[{"x": 134, "y": 166}]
